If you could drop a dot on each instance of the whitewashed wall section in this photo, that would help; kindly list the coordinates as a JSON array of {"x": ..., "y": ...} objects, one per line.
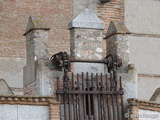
[
  {"x": 148, "y": 115},
  {"x": 23, "y": 112}
]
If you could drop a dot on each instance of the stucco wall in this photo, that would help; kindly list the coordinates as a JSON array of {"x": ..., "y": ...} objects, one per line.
[
  {"x": 144, "y": 53},
  {"x": 24, "y": 112},
  {"x": 11, "y": 71},
  {"x": 142, "y": 16},
  {"x": 148, "y": 115}
]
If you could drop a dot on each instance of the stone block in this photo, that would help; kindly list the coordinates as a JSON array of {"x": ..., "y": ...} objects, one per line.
[
  {"x": 116, "y": 27},
  {"x": 88, "y": 67},
  {"x": 28, "y": 112},
  {"x": 8, "y": 112},
  {"x": 86, "y": 44},
  {"x": 35, "y": 23}
]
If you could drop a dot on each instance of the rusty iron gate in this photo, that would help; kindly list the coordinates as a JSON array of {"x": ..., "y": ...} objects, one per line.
[{"x": 88, "y": 96}]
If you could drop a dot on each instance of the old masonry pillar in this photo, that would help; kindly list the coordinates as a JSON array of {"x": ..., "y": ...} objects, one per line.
[
  {"x": 86, "y": 42},
  {"x": 37, "y": 76},
  {"x": 118, "y": 43}
]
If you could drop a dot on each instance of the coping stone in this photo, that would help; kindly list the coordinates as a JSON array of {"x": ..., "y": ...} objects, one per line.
[
  {"x": 116, "y": 27},
  {"x": 87, "y": 19},
  {"x": 36, "y": 23}
]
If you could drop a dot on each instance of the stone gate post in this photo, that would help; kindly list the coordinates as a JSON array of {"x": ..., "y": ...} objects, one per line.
[
  {"x": 86, "y": 42},
  {"x": 37, "y": 76}
]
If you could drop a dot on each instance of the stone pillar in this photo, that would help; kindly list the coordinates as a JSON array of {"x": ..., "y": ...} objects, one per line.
[
  {"x": 117, "y": 43},
  {"x": 86, "y": 41},
  {"x": 37, "y": 58}
]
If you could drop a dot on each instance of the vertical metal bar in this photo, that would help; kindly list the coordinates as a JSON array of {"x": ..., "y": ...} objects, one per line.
[
  {"x": 77, "y": 116},
  {"x": 73, "y": 88},
  {"x": 89, "y": 101},
  {"x": 95, "y": 115},
  {"x": 108, "y": 99},
  {"x": 112, "y": 97},
  {"x": 79, "y": 100},
  {"x": 99, "y": 104},
  {"x": 115, "y": 97},
  {"x": 64, "y": 100},
  {"x": 117, "y": 102},
  {"x": 103, "y": 98},
  {"x": 69, "y": 100},
  {"x": 122, "y": 106},
  {"x": 84, "y": 97}
]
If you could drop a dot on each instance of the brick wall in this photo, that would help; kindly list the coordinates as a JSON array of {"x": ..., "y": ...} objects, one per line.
[
  {"x": 57, "y": 13},
  {"x": 54, "y": 112},
  {"x": 30, "y": 89},
  {"x": 14, "y": 18}
]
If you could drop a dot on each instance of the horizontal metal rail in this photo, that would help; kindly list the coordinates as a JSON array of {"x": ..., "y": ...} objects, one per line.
[
  {"x": 92, "y": 92},
  {"x": 87, "y": 61}
]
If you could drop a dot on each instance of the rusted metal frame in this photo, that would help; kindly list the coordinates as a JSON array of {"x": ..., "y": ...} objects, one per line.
[
  {"x": 84, "y": 99},
  {"x": 88, "y": 96},
  {"x": 79, "y": 97},
  {"x": 98, "y": 89},
  {"x": 76, "y": 100},
  {"x": 65, "y": 81},
  {"x": 108, "y": 100},
  {"x": 64, "y": 101},
  {"x": 95, "y": 117},
  {"x": 114, "y": 87},
  {"x": 120, "y": 92},
  {"x": 69, "y": 101},
  {"x": 87, "y": 61},
  {"x": 121, "y": 96},
  {"x": 74, "y": 105},
  {"x": 117, "y": 102},
  {"x": 103, "y": 99},
  {"x": 112, "y": 96}
]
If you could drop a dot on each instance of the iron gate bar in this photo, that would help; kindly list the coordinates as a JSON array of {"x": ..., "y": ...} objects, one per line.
[
  {"x": 104, "y": 90},
  {"x": 84, "y": 100},
  {"x": 99, "y": 105},
  {"x": 73, "y": 87},
  {"x": 121, "y": 88}
]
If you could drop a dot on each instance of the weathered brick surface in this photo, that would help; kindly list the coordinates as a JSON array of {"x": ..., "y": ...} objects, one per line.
[
  {"x": 54, "y": 112},
  {"x": 14, "y": 18},
  {"x": 57, "y": 13},
  {"x": 30, "y": 89}
]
